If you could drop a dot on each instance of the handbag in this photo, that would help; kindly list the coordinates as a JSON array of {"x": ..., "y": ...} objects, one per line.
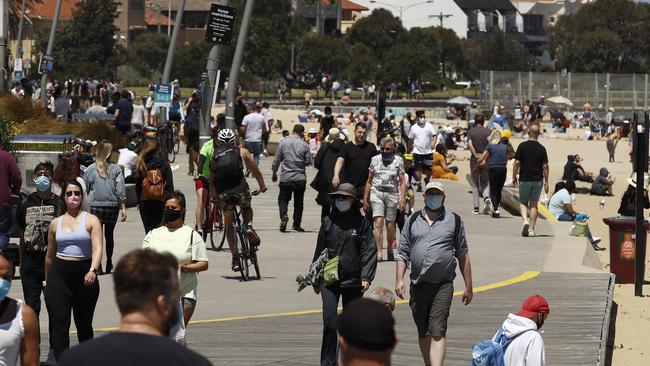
[
  {"x": 331, "y": 268},
  {"x": 579, "y": 228}
]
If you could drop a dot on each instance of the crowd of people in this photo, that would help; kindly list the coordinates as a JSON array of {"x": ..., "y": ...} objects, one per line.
[{"x": 366, "y": 193}]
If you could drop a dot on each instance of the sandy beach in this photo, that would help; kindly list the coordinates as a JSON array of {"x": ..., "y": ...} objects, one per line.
[{"x": 632, "y": 322}]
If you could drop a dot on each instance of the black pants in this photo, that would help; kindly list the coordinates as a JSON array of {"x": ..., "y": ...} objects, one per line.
[
  {"x": 66, "y": 292},
  {"x": 330, "y": 296},
  {"x": 298, "y": 191},
  {"x": 32, "y": 275},
  {"x": 496, "y": 177},
  {"x": 151, "y": 213}
]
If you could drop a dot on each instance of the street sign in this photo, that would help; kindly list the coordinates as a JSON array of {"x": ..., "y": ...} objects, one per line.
[
  {"x": 18, "y": 64},
  {"x": 220, "y": 24},
  {"x": 163, "y": 96},
  {"x": 46, "y": 65}
]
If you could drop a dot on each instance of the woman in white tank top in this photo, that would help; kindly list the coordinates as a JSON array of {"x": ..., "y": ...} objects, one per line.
[{"x": 19, "y": 332}]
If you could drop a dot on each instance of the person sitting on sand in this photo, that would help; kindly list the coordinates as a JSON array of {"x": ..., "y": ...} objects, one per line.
[
  {"x": 440, "y": 170},
  {"x": 573, "y": 170},
  {"x": 612, "y": 141},
  {"x": 561, "y": 206},
  {"x": 602, "y": 185}
]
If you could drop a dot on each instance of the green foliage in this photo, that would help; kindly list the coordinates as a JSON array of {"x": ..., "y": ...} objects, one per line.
[
  {"x": 148, "y": 52},
  {"x": 189, "y": 61},
  {"x": 323, "y": 53},
  {"x": 500, "y": 52},
  {"x": 603, "y": 36},
  {"x": 363, "y": 64},
  {"x": 7, "y": 132},
  {"x": 86, "y": 44},
  {"x": 379, "y": 31}
]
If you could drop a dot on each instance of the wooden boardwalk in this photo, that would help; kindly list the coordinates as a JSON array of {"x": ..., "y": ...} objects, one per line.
[{"x": 572, "y": 333}]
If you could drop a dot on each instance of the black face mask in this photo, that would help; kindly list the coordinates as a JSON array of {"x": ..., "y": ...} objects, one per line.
[
  {"x": 172, "y": 215},
  {"x": 540, "y": 321}
]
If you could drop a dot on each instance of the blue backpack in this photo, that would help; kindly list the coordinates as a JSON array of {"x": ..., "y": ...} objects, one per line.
[{"x": 491, "y": 352}]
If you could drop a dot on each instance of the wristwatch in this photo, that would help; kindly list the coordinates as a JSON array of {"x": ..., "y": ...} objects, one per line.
[{"x": 93, "y": 270}]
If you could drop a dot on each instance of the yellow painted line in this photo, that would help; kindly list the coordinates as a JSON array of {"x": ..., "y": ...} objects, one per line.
[
  {"x": 529, "y": 275},
  {"x": 545, "y": 212}
]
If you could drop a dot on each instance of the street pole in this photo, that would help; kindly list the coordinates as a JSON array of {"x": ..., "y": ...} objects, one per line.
[
  {"x": 169, "y": 16},
  {"x": 4, "y": 33},
  {"x": 19, "y": 47},
  {"x": 50, "y": 48},
  {"x": 236, "y": 64},
  {"x": 211, "y": 68},
  {"x": 641, "y": 157},
  {"x": 170, "y": 54}
]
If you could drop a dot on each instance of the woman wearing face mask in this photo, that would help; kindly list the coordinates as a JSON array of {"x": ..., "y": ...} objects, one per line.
[
  {"x": 105, "y": 183},
  {"x": 19, "y": 324},
  {"x": 346, "y": 233},
  {"x": 68, "y": 169},
  {"x": 185, "y": 244},
  {"x": 74, "y": 254},
  {"x": 384, "y": 193}
]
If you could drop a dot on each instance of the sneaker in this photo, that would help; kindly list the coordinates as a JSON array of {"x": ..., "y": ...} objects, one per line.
[
  {"x": 475, "y": 211},
  {"x": 488, "y": 206},
  {"x": 253, "y": 238},
  {"x": 524, "y": 229},
  {"x": 419, "y": 189},
  {"x": 595, "y": 242},
  {"x": 298, "y": 229},
  {"x": 235, "y": 264},
  {"x": 531, "y": 233},
  {"x": 496, "y": 214},
  {"x": 283, "y": 224}
]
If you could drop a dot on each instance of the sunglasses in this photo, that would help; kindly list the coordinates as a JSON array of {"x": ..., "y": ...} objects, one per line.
[
  {"x": 388, "y": 149},
  {"x": 73, "y": 193}
]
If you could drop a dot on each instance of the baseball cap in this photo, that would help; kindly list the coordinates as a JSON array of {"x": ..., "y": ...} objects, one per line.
[
  {"x": 534, "y": 305},
  {"x": 434, "y": 185},
  {"x": 366, "y": 324}
]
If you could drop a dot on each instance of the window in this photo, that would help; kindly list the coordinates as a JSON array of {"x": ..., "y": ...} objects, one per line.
[
  {"x": 136, "y": 5},
  {"x": 195, "y": 19},
  {"x": 533, "y": 24}
]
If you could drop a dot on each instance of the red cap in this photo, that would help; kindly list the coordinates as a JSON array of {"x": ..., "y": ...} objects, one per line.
[{"x": 534, "y": 305}]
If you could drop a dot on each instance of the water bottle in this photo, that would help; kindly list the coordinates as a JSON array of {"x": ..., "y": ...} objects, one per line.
[{"x": 602, "y": 203}]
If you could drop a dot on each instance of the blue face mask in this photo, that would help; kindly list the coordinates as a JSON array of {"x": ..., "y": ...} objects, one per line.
[
  {"x": 42, "y": 183},
  {"x": 433, "y": 202},
  {"x": 343, "y": 205},
  {"x": 5, "y": 286}
]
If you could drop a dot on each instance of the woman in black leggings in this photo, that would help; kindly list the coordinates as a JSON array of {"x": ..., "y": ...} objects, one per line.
[
  {"x": 497, "y": 154},
  {"x": 74, "y": 253}
]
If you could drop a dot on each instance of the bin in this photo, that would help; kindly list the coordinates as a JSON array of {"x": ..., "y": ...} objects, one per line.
[{"x": 622, "y": 246}]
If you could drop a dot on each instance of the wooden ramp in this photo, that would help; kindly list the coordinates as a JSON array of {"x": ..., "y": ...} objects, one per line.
[{"x": 574, "y": 333}]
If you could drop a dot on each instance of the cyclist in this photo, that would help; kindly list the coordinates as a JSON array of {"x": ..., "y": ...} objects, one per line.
[
  {"x": 228, "y": 185},
  {"x": 201, "y": 182}
]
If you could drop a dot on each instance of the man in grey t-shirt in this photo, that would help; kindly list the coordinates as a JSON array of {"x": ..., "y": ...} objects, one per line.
[
  {"x": 478, "y": 141},
  {"x": 432, "y": 242}
]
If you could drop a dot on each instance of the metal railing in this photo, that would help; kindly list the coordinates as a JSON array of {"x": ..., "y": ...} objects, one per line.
[{"x": 602, "y": 91}]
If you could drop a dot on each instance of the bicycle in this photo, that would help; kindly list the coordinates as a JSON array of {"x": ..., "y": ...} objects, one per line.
[
  {"x": 165, "y": 135},
  {"x": 213, "y": 220},
  {"x": 246, "y": 253}
]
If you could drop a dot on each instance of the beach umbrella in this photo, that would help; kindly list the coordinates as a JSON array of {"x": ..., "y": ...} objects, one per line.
[
  {"x": 460, "y": 100},
  {"x": 560, "y": 100}
]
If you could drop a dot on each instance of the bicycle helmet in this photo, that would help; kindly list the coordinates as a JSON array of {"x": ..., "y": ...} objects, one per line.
[{"x": 226, "y": 136}]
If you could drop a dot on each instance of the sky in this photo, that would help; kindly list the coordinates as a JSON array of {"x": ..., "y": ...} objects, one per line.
[{"x": 417, "y": 16}]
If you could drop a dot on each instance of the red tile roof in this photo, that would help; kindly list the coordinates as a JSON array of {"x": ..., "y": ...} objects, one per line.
[
  {"x": 151, "y": 18},
  {"x": 45, "y": 10},
  {"x": 346, "y": 5}
]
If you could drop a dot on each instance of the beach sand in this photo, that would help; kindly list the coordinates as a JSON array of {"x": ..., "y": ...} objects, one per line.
[{"x": 632, "y": 319}]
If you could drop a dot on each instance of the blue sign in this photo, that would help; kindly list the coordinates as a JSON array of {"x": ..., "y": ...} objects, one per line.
[{"x": 163, "y": 97}]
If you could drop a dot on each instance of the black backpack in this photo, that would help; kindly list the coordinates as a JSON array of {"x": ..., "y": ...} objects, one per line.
[{"x": 226, "y": 167}]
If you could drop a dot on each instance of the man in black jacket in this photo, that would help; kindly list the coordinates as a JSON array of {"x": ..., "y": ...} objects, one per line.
[
  {"x": 347, "y": 234},
  {"x": 34, "y": 216}
]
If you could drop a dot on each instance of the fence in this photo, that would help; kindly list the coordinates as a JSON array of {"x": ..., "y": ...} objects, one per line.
[{"x": 602, "y": 91}]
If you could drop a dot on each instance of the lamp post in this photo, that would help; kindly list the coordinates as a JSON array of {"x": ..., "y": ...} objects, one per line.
[{"x": 401, "y": 8}]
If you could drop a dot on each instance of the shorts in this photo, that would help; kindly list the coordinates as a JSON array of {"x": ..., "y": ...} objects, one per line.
[
  {"x": 107, "y": 215},
  {"x": 423, "y": 161},
  {"x": 230, "y": 200},
  {"x": 430, "y": 304},
  {"x": 529, "y": 191},
  {"x": 201, "y": 183},
  {"x": 384, "y": 204},
  {"x": 188, "y": 302},
  {"x": 611, "y": 146},
  {"x": 191, "y": 131}
]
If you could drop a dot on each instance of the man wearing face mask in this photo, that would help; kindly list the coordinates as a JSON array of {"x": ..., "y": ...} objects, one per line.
[
  {"x": 347, "y": 234},
  {"x": 146, "y": 291},
  {"x": 422, "y": 137},
  {"x": 34, "y": 216},
  {"x": 432, "y": 242},
  {"x": 526, "y": 346}
]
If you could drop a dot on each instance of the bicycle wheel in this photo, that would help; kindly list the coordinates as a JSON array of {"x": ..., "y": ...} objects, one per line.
[
  {"x": 171, "y": 153},
  {"x": 177, "y": 141},
  {"x": 255, "y": 262},
  {"x": 207, "y": 227},
  {"x": 240, "y": 257},
  {"x": 244, "y": 254}
]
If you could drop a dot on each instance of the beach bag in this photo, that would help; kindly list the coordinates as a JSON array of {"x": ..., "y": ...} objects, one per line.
[
  {"x": 490, "y": 352},
  {"x": 579, "y": 228},
  {"x": 153, "y": 186}
]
